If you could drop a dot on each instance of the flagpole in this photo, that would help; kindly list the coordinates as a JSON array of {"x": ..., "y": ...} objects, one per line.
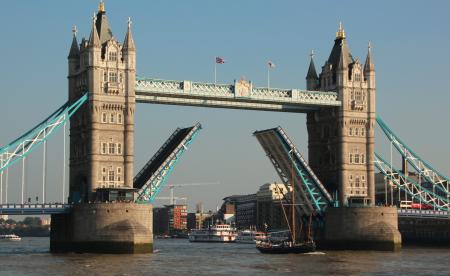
[
  {"x": 268, "y": 77},
  {"x": 215, "y": 72}
]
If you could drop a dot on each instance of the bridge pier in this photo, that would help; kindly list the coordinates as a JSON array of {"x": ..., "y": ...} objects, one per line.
[
  {"x": 363, "y": 228},
  {"x": 103, "y": 228}
]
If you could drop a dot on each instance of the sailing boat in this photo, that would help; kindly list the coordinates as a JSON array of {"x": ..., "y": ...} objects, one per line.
[{"x": 292, "y": 244}]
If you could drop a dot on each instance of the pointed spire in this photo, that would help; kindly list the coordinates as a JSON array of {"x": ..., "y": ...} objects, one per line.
[
  {"x": 369, "y": 66},
  {"x": 94, "y": 41},
  {"x": 343, "y": 55},
  {"x": 74, "y": 50},
  {"x": 312, "y": 74},
  {"x": 128, "y": 43},
  {"x": 102, "y": 24}
]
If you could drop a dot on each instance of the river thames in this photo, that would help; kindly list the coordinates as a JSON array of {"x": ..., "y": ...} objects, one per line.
[{"x": 179, "y": 257}]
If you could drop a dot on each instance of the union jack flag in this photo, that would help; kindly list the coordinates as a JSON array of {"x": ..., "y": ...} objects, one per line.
[
  {"x": 220, "y": 60},
  {"x": 271, "y": 64}
]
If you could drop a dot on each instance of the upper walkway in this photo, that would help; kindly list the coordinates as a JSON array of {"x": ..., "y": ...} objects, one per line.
[
  {"x": 240, "y": 95},
  {"x": 34, "y": 209}
]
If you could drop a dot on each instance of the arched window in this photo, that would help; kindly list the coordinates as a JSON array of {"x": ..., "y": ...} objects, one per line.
[
  {"x": 111, "y": 118},
  {"x": 119, "y": 118}
]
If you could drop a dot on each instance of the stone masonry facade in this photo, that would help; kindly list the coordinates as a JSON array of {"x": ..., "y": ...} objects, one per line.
[
  {"x": 341, "y": 140},
  {"x": 102, "y": 131}
]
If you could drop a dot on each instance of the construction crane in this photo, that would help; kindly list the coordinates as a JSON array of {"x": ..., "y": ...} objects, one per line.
[
  {"x": 172, "y": 200},
  {"x": 172, "y": 186}
]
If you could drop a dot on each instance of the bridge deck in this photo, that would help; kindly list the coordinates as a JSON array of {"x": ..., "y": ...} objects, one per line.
[
  {"x": 34, "y": 209},
  {"x": 155, "y": 172},
  {"x": 292, "y": 167},
  {"x": 241, "y": 95}
]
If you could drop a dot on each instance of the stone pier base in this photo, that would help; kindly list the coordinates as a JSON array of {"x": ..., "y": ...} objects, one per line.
[
  {"x": 365, "y": 228},
  {"x": 103, "y": 228}
]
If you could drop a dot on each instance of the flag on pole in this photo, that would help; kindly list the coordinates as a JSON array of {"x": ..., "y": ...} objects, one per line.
[
  {"x": 271, "y": 64},
  {"x": 220, "y": 60}
]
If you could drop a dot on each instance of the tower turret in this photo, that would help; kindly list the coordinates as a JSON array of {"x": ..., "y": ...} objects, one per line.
[
  {"x": 312, "y": 80},
  {"x": 74, "y": 53},
  {"x": 369, "y": 68}
]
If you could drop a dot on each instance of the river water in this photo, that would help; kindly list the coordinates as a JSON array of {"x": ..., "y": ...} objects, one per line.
[{"x": 179, "y": 257}]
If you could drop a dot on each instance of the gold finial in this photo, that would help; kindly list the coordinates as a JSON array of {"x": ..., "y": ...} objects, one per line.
[
  {"x": 369, "y": 46},
  {"x": 311, "y": 54},
  {"x": 340, "y": 33},
  {"x": 101, "y": 6}
]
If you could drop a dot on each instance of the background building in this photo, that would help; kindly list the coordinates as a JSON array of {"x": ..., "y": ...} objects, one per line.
[
  {"x": 170, "y": 220},
  {"x": 269, "y": 199}
]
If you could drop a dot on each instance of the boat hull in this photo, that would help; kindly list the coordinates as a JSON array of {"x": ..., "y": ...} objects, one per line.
[{"x": 286, "y": 249}]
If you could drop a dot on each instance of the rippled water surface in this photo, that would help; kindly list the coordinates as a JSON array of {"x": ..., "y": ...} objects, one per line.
[{"x": 179, "y": 257}]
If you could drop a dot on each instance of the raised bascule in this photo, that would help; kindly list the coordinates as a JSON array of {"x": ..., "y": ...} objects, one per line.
[{"x": 109, "y": 208}]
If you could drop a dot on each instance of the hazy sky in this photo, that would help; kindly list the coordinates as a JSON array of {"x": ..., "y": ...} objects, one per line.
[{"x": 179, "y": 40}]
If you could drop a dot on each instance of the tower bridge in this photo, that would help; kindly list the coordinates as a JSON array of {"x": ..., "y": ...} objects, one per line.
[{"x": 337, "y": 183}]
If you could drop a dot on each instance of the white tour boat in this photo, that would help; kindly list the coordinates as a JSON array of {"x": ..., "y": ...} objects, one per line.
[
  {"x": 250, "y": 236},
  {"x": 10, "y": 237},
  {"x": 215, "y": 233}
]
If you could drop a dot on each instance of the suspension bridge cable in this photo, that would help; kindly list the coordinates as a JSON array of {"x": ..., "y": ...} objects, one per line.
[
  {"x": 44, "y": 169},
  {"x": 64, "y": 164}
]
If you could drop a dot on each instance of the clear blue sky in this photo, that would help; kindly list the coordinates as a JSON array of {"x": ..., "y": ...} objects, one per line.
[{"x": 179, "y": 40}]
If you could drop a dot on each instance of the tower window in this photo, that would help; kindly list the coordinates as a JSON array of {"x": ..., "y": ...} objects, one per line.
[
  {"x": 112, "y": 77},
  {"x": 119, "y": 118},
  {"x": 104, "y": 148},
  {"x": 105, "y": 77},
  {"x": 119, "y": 148},
  {"x": 111, "y": 176},
  {"x": 112, "y": 56},
  {"x": 356, "y": 131},
  {"x": 351, "y": 158},
  {"x": 350, "y": 131},
  {"x": 363, "y": 131},
  {"x": 357, "y": 158},
  {"x": 112, "y": 118},
  {"x": 119, "y": 170},
  {"x": 112, "y": 148},
  {"x": 104, "y": 118}
]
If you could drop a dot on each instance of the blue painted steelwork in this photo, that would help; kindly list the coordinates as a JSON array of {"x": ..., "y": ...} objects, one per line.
[
  {"x": 25, "y": 144},
  {"x": 34, "y": 209},
  {"x": 434, "y": 177},
  {"x": 319, "y": 196},
  {"x": 411, "y": 187},
  {"x": 286, "y": 159},
  {"x": 158, "y": 179}
]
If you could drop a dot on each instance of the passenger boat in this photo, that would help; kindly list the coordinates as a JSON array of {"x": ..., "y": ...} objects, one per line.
[
  {"x": 250, "y": 236},
  {"x": 215, "y": 233},
  {"x": 10, "y": 237}
]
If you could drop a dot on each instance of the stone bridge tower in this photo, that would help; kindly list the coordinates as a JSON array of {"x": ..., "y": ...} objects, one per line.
[
  {"x": 104, "y": 217},
  {"x": 341, "y": 152},
  {"x": 102, "y": 132},
  {"x": 341, "y": 140}
]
